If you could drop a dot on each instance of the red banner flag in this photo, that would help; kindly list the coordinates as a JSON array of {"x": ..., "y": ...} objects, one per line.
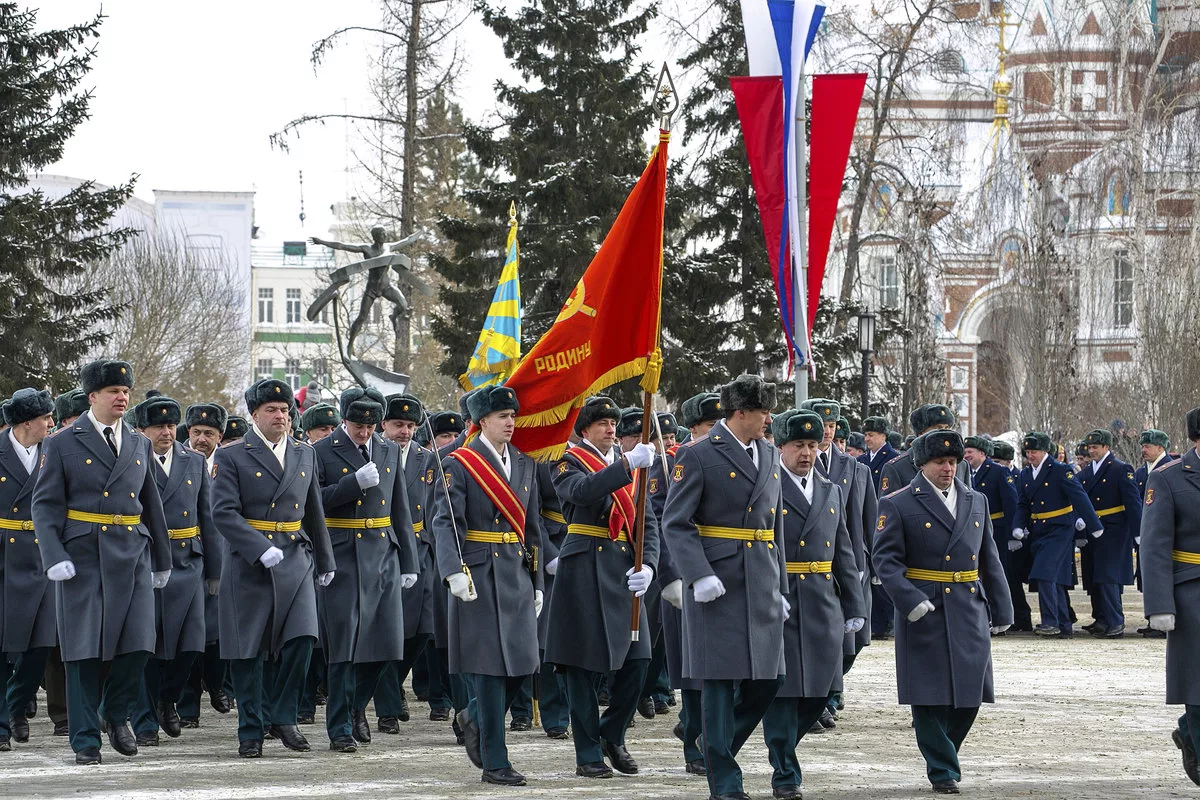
[{"x": 607, "y": 331}]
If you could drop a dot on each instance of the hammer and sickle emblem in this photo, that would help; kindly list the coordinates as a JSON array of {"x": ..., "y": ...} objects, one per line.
[{"x": 575, "y": 303}]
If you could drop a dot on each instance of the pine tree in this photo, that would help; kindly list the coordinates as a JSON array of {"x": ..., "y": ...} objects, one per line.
[
  {"x": 51, "y": 316},
  {"x": 572, "y": 145}
]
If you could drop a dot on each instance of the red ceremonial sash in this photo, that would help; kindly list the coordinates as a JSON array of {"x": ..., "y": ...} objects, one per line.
[
  {"x": 495, "y": 487},
  {"x": 672, "y": 450},
  {"x": 623, "y": 512}
]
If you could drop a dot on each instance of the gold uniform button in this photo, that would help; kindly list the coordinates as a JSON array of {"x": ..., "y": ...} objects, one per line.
[
  {"x": 138, "y": 462},
  {"x": 131, "y": 494},
  {"x": 292, "y": 537},
  {"x": 495, "y": 555},
  {"x": 801, "y": 577},
  {"x": 749, "y": 509},
  {"x": 418, "y": 506},
  {"x": 270, "y": 536},
  {"x": 258, "y": 474},
  {"x": 105, "y": 494},
  {"x": 12, "y": 541},
  {"x": 185, "y": 513},
  {"x": 3, "y": 479},
  {"x": 387, "y": 469},
  {"x": 302, "y": 475},
  {"x": 87, "y": 461},
  {"x": 785, "y": 512},
  {"x": 359, "y": 535},
  {"x": 749, "y": 544},
  {"x": 972, "y": 558},
  {"x": 103, "y": 527},
  {"x": 827, "y": 544},
  {"x": 733, "y": 474},
  {"x": 358, "y": 502},
  {"x": 977, "y": 524},
  {"x": 831, "y": 511},
  {"x": 295, "y": 505},
  {"x": 947, "y": 590},
  {"x": 928, "y": 524},
  {"x": 344, "y": 470},
  {"x": 972, "y": 590},
  {"x": 599, "y": 548},
  {"x": 383, "y": 502},
  {"x": 189, "y": 481},
  {"x": 382, "y": 535},
  {"x": 183, "y": 544},
  {"x": 802, "y": 543}
]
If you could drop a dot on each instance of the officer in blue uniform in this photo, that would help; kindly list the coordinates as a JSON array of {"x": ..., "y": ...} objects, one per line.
[
  {"x": 879, "y": 453},
  {"x": 27, "y": 624},
  {"x": 935, "y": 553},
  {"x": 1004, "y": 454},
  {"x": 1052, "y": 506},
  {"x": 993, "y": 482},
  {"x": 103, "y": 539},
  {"x": 1111, "y": 488}
]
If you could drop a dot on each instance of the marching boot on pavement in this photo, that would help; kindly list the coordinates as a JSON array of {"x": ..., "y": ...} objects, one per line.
[
  {"x": 267, "y": 505},
  {"x": 721, "y": 523},
  {"x": 935, "y": 554},
  {"x": 489, "y": 515},
  {"x": 103, "y": 539}
]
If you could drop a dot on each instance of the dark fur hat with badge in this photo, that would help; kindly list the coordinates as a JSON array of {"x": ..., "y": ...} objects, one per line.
[
  {"x": 593, "y": 410},
  {"x": 937, "y": 444},
  {"x": 1193, "y": 425},
  {"x": 630, "y": 423},
  {"x": 856, "y": 440},
  {"x": 207, "y": 414},
  {"x": 27, "y": 404},
  {"x": 157, "y": 410},
  {"x": 794, "y": 426},
  {"x": 827, "y": 410},
  {"x": 1081, "y": 449},
  {"x": 235, "y": 428},
  {"x": 843, "y": 429},
  {"x": 1036, "y": 440},
  {"x": 404, "y": 407},
  {"x": 99, "y": 374},
  {"x": 747, "y": 393},
  {"x": 464, "y": 403},
  {"x": 703, "y": 407},
  {"x": 447, "y": 422},
  {"x": 876, "y": 425},
  {"x": 666, "y": 422},
  {"x": 491, "y": 399},
  {"x": 72, "y": 403},
  {"x": 268, "y": 390},
  {"x": 1099, "y": 436},
  {"x": 1155, "y": 437},
  {"x": 979, "y": 443},
  {"x": 928, "y": 416},
  {"x": 1003, "y": 451},
  {"x": 319, "y": 415},
  {"x": 362, "y": 406}
]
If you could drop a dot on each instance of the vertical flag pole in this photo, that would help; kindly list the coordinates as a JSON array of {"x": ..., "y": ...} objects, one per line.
[{"x": 800, "y": 248}]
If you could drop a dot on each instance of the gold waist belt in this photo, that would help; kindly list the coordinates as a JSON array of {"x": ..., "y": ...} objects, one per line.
[
  {"x": 802, "y": 567},
  {"x": 741, "y": 534},
  {"x": 966, "y": 576},
  {"x": 273, "y": 527},
  {"x": 1053, "y": 514},
  {"x": 184, "y": 533},
  {"x": 508, "y": 537},
  {"x": 358, "y": 524},
  {"x": 104, "y": 519},
  {"x": 595, "y": 530}
]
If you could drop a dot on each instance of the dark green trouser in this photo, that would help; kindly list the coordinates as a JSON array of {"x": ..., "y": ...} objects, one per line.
[
  {"x": 784, "y": 725},
  {"x": 350, "y": 688},
  {"x": 940, "y": 733},
  {"x": 21, "y": 672},
  {"x": 731, "y": 712},
  {"x": 691, "y": 715},
  {"x": 86, "y": 699},
  {"x": 390, "y": 685},
  {"x": 588, "y": 727},
  {"x": 163, "y": 680},
  {"x": 281, "y": 694},
  {"x": 493, "y": 694},
  {"x": 1189, "y": 725}
]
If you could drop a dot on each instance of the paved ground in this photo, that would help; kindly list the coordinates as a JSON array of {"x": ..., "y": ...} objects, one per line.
[{"x": 1073, "y": 719}]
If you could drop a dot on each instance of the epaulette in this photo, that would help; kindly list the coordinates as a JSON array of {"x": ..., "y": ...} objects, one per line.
[
  {"x": 897, "y": 458},
  {"x": 694, "y": 442},
  {"x": 57, "y": 432},
  {"x": 898, "y": 491},
  {"x": 230, "y": 444},
  {"x": 1169, "y": 464}
]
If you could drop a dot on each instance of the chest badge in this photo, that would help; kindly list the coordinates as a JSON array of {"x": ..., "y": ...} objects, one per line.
[
  {"x": 1149, "y": 497},
  {"x": 677, "y": 475}
]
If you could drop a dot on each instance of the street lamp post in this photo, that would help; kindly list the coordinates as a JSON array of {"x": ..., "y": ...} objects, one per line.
[{"x": 866, "y": 345}]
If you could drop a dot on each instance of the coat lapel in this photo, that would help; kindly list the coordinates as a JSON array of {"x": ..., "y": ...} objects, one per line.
[
  {"x": 725, "y": 444},
  {"x": 933, "y": 503},
  {"x": 261, "y": 453},
  {"x": 819, "y": 501},
  {"x": 130, "y": 446},
  {"x": 178, "y": 473},
  {"x": 291, "y": 468},
  {"x": 93, "y": 441},
  {"x": 962, "y": 512},
  {"x": 1191, "y": 466},
  {"x": 10, "y": 460},
  {"x": 767, "y": 469}
]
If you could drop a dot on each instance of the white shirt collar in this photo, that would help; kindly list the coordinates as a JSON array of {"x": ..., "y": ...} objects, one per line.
[
  {"x": 501, "y": 455},
  {"x": 753, "y": 450},
  {"x": 28, "y": 455},
  {"x": 117, "y": 429},
  {"x": 1097, "y": 464},
  {"x": 165, "y": 466},
  {"x": 370, "y": 442},
  {"x": 806, "y": 488},
  {"x": 1038, "y": 468},
  {"x": 1151, "y": 466},
  {"x": 404, "y": 454},
  {"x": 277, "y": 450},
  {"x": 950, "y": 498},
  {"x": 609, "y": 458}
]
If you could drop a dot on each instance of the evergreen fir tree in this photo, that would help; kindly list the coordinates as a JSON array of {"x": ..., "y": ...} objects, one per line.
[{"x": 51, "y": 316}]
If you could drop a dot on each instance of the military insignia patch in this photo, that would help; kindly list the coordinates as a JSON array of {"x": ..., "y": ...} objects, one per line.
[
  {"x": 1149, "y": 497},
  {"x": 1070, "y": 474},
  {"x": 677, "y": 475},
  {"x": 429, "y": 477},
  {"x": 562, "y": 467},
  {"x": 883, "y": 485},
  {"x": 1131, "y": 476},
  {"x": 43, "y": 464},
  {"x": 653, "y": 486},
  {"x": 882, "y": 519},
  {"x": 447, "y": 480}
]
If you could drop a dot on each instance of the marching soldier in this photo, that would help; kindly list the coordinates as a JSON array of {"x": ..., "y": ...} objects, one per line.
[
  {"x": 900, "y": 471},
  {"x": 267, "y": 505},
  {"x": 1170, "y": 557},
  {"x": 183, "y": 485},
  {"x": 856, "y": 445},
  {"x": 487, "y": 529},
  {"x": 1083, "y": 458},
  {"x": 318, "y": 421},
  {"x": 1111, "y": 488},
  {"x": 993, "y": 482},
  {"x": 879, "y": 454},
  {"x": 235, "y": 430},
  {"x": 552, "y": 693},
  {"x": 721, "y": 521},
  {"x": 588, "y": 635},
  {"x": 1051, "y": 507},
  {"x": 365, "y": 497},
  {"x": 448, "y": 426},
  {"x": 1156, "y": 451},
  {"x": 27, "y": 624},
  {"x": 69, "y": 406},
  {"x": 935, "y": 553},
  {"x": 825, "y": 591},
  {"x": 103, "y": 539}
]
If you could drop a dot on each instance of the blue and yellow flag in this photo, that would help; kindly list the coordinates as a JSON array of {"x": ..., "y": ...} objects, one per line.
[{"x": 499, "y": 348}]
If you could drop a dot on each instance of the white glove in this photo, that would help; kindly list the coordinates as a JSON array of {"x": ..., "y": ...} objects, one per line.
[
  {"x": 1137, "y": 540},
  {"x": 641, "y": 456},
  {"x": 272, "y": 557},
  {"x": 326, "y": 578},
  {"x": 367, "y": 476},
  {"x": 552, "y": 566},
  {"x": 1020, "y": 533},
  {"x": 875, "y": 581},
  {"x": 923, "y": 608},
  {"x": 538, "y": 597},
  {"x": 460, "y": 587},
  {"x": 673, "y": 593},
  {"x": 1081, "y": 542},
  {"x": 213, "y": 584},
  {"x": 1162, "y": 622},
  {"x": 787, "y": 607},
  {"x": 707, "y": 589},
  {"x": 1097, "y": 534},
  {"x": 854, "y": 624},
  {"x": 1014, "y": 545},
  {"x": 639, "y": 582},
  {"x": 62, "y": 571},
  {"x": 159, "y": 579},
  {"x": 1080, "y": 524},
  {"x": 1000, "y": 628},
  {"x": 408, "y": 580}
]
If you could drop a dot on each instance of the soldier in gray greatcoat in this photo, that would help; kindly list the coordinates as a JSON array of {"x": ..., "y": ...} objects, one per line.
[
  {"x": 267, "y": 505},
  {"x": 183, "y": 484},
  {"x": 935, "y": 554},
  {"x": 824, "y": 589},
  {"x": 485, "y": 557},
  {"x": 551, "y": 693},
  {"x": 721, "y": 522},
  {"x": 1170, "y": 556},
  {"x": 588, "y": 635},
  {"x": 27, "y": 625},
  {"x": 367, "y": 513},
  {"x": 103, "y": 540}
]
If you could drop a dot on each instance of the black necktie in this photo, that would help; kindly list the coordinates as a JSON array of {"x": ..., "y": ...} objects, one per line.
[
  {"x": 804, "y": 483},
  {"x": 750, "y": 452},
  {"x": 108, "y": 437},
  {"x": 363, "y": 449},
  {"x": 162, "y": 460},
  {"x": 946, "y": 493}
]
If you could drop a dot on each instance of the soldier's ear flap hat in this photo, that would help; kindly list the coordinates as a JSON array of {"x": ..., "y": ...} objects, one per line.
[
  {"x": 404, "y": 407},
  {"x": 210, "y": 414},
  {"x": 1081, "y": 449},
  {"x": 856, "y": 440},
  {"x": 595, "y": 409},
  {"x": 268, "y": 390},
  {"x": 747, "y": 393},
  {"x": 929, "y": 415},
  {"x": 27, "y": 404},
  {"x": 1036, "y": 440},
  {"x": 1152, "y": 436},
  {"x": 235, "y": 428},
  {"x": 363, "y": 406},
  {"x": 895, "y": 438},
  {"x": 316, "y": 416},
  {"x": 99, "y": 374},
  {"x": 447, "y": 422},
  {"x": 827, "y": 410},
  {"x": 709, "y": 408},
  {"x": 630, "y": 423},
  {"x": 876, "y": 425},
  {"x": 1003, "y": 450},
  {"x": 1193, "y": 424},
  {"x": 73, "y": 403},
  {"x": 793, "y": 426},
  {"x": 843, "y": 429},
  {"x": 666, "y": 422},
  {"x": 464, "y": 404},
  {"x": 984, "y": 446},
  {"x": 1099, "y": 436},
  {"x": 490, "y": 399},
  {"x": 157, "y": 410},
  {"x": 937, "y": 444}
]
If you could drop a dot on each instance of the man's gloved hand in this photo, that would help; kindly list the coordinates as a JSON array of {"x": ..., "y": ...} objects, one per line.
[
  {"x": 1000, "y": 628},
  {"x": 325, "y": 578},
  {"x": 460, "y": 587},
  {"x": 159, "y": 579},
  {"x": 639, "y": 581},
  {"x": 1162, "y": 622},
  {"x": 367, "y": 476},
  {"x": 923, "y": 608},
  {"x": 1081, "y": 542},
  {"x": 1014, "y": 545},
  {"x": 787, "y": 607},
  {"x": 212, "y": 584},
  {"x": 271, "y": 557},
  {"x": 673, "y": 593},
  {"x": 1080, "y": 524},
  {"x": 1019, "y": 533},
  {"x": 538, "y": 597},
  {"x": 408, "y": 580},
  {"x": 854, "y": 624},
  {"x": 641, "y": 456},
  {"x": 707, "y": 589},
  {"x": 875, "y": 581},
  {"x": 62, "y": 571},
  {"x": 1137, "y": 540},
  {"x": 1098, "y": 534},
  {"x": 552, "y": 566}
]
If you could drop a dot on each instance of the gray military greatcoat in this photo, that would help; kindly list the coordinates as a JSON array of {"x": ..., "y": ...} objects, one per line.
[
  {"x": 859, "y": 504},
  {"x": 27, "y": 596},
  {"x": 419, "y": 474}
]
